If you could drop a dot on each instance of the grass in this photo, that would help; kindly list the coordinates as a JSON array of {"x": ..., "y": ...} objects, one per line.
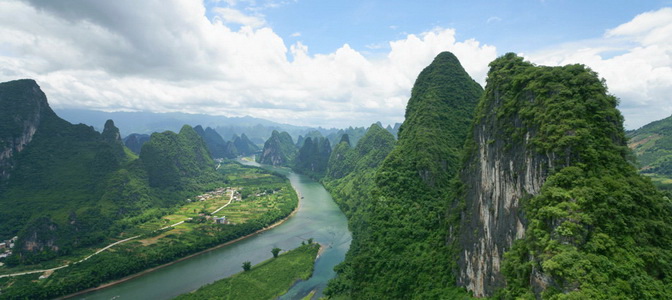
[{"x": 267, "y": 280}]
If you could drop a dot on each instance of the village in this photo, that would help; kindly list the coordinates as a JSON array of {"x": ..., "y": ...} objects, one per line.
[
  {"x": 205, "y": 216},
  {"x": 6, "y": 248},
  {"x": 236, "y": 194}
]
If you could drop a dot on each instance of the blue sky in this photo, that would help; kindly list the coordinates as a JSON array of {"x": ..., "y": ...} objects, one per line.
[
  {"x": 512, "y": 26},
  {"x": 319, "y": 63}
]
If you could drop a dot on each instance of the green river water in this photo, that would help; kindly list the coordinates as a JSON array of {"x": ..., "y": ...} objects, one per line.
[{"x": 318, "y": 217}]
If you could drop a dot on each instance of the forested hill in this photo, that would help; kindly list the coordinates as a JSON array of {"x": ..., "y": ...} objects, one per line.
[
  {"x": 217, "y": 146},
  {"x": 546, "y": 166},
  {"x": 66, "y": 186},
  {"x": 313, "y": 157},
  {"x": 652, "y": 145},
  {"x": 172, "y": 160},
  {"x": 279, "y": 150},
  {"x": 401, "y": 252}
]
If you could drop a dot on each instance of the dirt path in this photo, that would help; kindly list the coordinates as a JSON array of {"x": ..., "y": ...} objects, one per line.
[{"x": 225, "y": 205}]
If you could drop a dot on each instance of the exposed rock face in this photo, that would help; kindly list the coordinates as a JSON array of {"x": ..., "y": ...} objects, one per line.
[
  {"x": 279, "y": 150},
  {"x": 533, "y": 121},
  {"x": 23, "y": 106},
  {"x": 499, "y": 177},
  {"x": 112, "y": 137}
]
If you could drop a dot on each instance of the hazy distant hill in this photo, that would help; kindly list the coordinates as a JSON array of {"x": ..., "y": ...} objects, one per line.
[{"x": 257, "y": 130}]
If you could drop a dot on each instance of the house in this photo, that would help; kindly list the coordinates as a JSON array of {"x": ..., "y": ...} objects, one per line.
[
  {"x": 3, "y": 245},
  {"x": 221, "y": 220}
]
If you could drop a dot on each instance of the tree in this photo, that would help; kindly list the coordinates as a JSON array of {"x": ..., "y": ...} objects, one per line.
[
  {"x": 247, "y": 266},
  {"x": 310, "y": 241},
  {"x": 275, "y": 252}
]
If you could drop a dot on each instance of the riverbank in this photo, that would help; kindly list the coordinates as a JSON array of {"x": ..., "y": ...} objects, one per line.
[
  {"x": 318, "y": 217},
  {"x": 268, "y": 279},
  {"x": 130, "y": 277}
]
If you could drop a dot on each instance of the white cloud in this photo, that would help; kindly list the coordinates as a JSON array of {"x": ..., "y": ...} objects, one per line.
[
  {"x": 233, "y": 16},
  {"x": 113, "y": 55},
  {"x": 296, "y": 34},
  {"x": 640, "y": 75},
  {"x": 493, "y": 20}
]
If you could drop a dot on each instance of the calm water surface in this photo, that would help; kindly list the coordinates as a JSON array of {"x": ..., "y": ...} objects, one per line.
[{"x": 318, "y": 218}]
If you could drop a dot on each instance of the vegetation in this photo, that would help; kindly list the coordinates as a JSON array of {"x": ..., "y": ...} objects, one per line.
[
  {"x": 399, "y": 250},
  {"x": 597, "y": 230},
  {"x": 652, "y": 145},
  {"x": 279, "y": 150},
  {"x": 247, "y": 266},
  {"x": 313, "y": 157},
  {"x": 243, "y": 145},
  {"x": 267, "y": 280},
  {"x": 266, "y": 199},
  {"x": 135, "y": 141}
]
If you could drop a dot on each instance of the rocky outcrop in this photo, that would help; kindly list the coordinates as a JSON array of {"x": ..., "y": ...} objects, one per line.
[
  {"x": 112, "y": 137},
  {"x": 532, "y": 122},
  {"x": 499, "y": 176},
  {"x": 22, "y": 107}
]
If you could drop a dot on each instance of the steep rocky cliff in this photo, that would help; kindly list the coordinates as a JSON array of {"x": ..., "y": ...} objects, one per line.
[
  {"x": 548, "y": 192},
  {"x": 279, "y": 150},
  {"x": 23, "y": 106},
  {"x": 499, "y": 173}
]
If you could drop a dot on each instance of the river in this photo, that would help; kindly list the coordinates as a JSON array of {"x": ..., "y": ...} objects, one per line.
[{"x": 318, "y": 217}]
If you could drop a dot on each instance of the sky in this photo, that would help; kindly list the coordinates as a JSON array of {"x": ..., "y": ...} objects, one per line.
[{"x": 320, "y": 63}]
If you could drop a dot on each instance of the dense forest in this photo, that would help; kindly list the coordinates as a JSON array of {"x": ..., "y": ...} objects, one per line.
[
  {"x": 398, "y": 247},
  {"x": 535, "y": 196},
  {"x": 594, "y": 228}
]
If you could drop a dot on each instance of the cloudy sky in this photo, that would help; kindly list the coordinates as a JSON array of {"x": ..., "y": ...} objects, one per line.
[{"x": 320, "y": 63}]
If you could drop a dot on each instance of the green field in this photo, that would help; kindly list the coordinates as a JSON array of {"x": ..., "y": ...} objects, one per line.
[{"x": 267, "y": 280}]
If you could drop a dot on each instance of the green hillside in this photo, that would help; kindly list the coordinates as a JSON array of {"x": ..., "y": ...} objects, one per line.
[
  {"x": 399, "y": 252},
  {"x": 313, "y": 157},
  {"x": 279, "y": 150},
  {"x": 652, "y": 145},
  {"x": 69, "y": 186},
  {"x": 596, "y": 229}
]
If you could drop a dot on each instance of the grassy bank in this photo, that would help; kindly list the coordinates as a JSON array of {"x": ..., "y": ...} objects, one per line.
[{"x": 266, "y": 280}]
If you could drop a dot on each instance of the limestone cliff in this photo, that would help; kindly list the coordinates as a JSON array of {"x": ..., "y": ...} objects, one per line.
[
  {"x": 532, "y": 123},
  {"x": 499, "y": 175},
  {"x": 23, "y": 106},
  {"x": 279, "y": 150}
]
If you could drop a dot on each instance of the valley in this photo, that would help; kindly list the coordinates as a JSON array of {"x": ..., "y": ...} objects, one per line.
[
  {"x": 527, "y": 188},
  {"x": 257, "y": 200}
]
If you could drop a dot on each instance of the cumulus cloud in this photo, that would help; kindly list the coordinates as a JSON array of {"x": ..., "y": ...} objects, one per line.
[
  {"x": 640, "y": 72},
  {"x": 162, "y": 56}
]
